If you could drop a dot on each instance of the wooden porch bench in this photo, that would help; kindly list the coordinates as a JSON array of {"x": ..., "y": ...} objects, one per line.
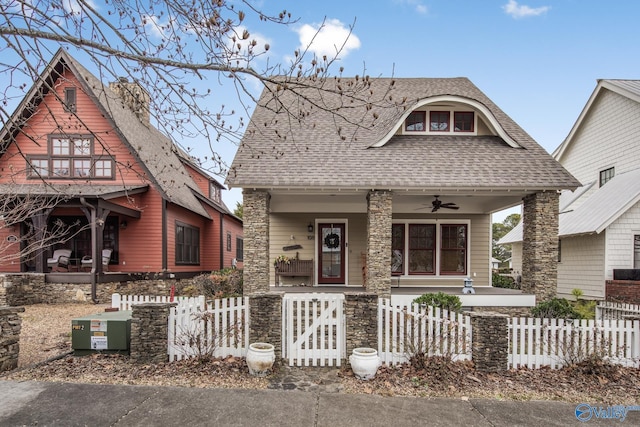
[{"x": 294, "y": 268}]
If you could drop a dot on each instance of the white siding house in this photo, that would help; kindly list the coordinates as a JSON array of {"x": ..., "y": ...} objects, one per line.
[{"x": 599, "y": 223}]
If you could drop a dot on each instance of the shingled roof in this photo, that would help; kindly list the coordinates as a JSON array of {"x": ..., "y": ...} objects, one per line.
[
  {"x": 157, "y": 154},
  {"x": 336, "y": 146}
]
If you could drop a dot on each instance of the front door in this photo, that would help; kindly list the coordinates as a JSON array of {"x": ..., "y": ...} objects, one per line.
[{"x": 331, "y": 258}]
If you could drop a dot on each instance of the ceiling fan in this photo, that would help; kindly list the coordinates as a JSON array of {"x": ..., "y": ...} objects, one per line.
[{"x": 437, "y": 204}]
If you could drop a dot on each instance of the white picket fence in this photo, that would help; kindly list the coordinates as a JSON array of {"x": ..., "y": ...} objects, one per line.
[
  {"x": 616, "y": 310},
  {"x": 535, "y": 342},
  {"x": 220, "y": 330},
  {"x": 313, "y": 331},
  {"x": 124, "y": 302},
  {"x": 403, "y": 331}
]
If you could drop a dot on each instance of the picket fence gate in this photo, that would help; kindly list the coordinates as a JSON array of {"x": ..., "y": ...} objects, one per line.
[
  {"x": 535, "y": 342},
  {"x": 218, "y": 331},
  {"x": 313, "y": 331},
  {"x": 405, "y": 331},
  {"x": 616, "y": 310}
]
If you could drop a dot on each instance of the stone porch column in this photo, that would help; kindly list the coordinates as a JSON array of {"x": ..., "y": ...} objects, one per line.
[
  {"x": 540, "y": 245},
  {"x": 379, "y": 220},
  {"x": 256, "y": 241}
]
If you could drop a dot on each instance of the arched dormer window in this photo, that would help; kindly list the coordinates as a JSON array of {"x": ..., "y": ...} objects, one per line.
[{"x": 448, "y": 114}]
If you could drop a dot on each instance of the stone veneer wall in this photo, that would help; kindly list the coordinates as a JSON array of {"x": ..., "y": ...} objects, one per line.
[
  {"x": 509, "y": 311},
  {"x": 255, "y": 207},
  {"x": 30, "y": 288},
  {"x": 540, "y": 245},
  {"x": 490, "y": 346},
  {"x": 149, "y": 331},
  {"x": 10, "y": 324},
  {"x": 379, "y": 225},
  {"x": 627, "y": 291},
  {"x": 361, "y": 314},
  {"x": 265, "y": 320}
]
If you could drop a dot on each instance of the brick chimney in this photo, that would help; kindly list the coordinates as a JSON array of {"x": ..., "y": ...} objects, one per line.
[{"x": 134, "y": 96}]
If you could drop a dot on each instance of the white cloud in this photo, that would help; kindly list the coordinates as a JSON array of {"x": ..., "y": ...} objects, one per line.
[
  {"x": 330, "y": 38},
  {"x": 521, "y": 11},
  {"x": 416, "y": 4}
]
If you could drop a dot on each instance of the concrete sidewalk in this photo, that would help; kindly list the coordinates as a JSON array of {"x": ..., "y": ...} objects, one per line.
[{"x": 65, "y": 404}]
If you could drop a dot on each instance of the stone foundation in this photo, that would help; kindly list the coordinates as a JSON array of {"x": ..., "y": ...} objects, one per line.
[{"x": 10, "y": 324}]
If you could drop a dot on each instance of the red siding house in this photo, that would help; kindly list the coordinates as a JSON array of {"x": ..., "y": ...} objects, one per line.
[{"x": 89, "y": 161}]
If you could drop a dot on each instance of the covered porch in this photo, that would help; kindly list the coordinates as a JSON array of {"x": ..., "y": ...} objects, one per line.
[{"x": 359, "y": 235}]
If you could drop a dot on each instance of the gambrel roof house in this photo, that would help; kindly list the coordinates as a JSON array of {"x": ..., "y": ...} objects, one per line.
[
  {"x": 398, "y": 179},
  {"x": 600, "y": 222},
  {"x": 93, "y": 150}
]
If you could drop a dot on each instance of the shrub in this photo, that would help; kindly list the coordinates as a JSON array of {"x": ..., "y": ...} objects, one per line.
[
  {"x": 442, "y": 300},
  {"x": 500, "y": 281},
  {"x": 224, "y": 283},
  {"x": 559, "y": 308}
]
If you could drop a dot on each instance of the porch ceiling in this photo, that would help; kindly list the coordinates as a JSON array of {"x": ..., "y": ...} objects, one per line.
[{"x": 405, "y": 202}]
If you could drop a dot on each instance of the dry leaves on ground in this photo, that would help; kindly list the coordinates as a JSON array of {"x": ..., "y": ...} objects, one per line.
[{"x": 46, "y": 332}]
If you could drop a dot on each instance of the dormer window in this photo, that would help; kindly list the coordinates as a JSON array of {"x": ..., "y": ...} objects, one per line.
[
  {"x": 416, "y": 121},
  {"x": 439, "y": 121},
  {"x": 70, "y": 99}
]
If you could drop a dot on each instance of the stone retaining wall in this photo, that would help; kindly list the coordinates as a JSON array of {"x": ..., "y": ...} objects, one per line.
[
  {"x": 10, "y": 324},
  {"x": 30, "y": 288}
]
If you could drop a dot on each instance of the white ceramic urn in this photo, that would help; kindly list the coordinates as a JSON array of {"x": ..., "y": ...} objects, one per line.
[
  {"x": 364, "y": 362},
  {"x": 260, "y": 358}
]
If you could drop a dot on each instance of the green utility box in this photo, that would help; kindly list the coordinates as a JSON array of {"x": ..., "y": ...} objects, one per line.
[{"x": 108, "y": 332}]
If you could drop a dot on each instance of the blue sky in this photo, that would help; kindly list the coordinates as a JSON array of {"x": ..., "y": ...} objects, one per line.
[{"x": 539, "y": 60}]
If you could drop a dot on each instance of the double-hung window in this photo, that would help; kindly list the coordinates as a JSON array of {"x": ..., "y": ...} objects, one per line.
[{"x": 187, "y": 244}]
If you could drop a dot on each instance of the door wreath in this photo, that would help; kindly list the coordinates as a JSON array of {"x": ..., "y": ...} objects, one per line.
[{"x": 332, "y": 241}]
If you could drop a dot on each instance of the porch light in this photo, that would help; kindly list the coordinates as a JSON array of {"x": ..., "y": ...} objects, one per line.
[
  {"x": 123, "y": 224},
  {"x": 310, "y": 228}
]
